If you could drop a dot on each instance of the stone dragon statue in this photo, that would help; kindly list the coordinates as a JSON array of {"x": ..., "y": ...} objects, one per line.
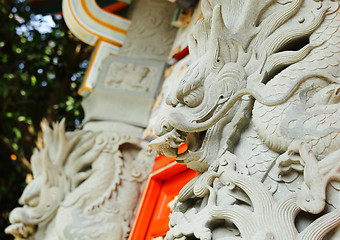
[
  {"x": 85, "y": 186},
  {"x": 259, "y": 108}
]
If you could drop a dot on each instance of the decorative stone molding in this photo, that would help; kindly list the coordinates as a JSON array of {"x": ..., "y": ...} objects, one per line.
[
  {"x": 86, "y": 184},
  {"x": 259, "y": 110},
  {"x": 150, "y": 35}
]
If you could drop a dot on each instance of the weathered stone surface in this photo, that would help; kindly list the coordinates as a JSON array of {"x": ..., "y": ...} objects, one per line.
[
  {"x": 86, "y": 184},
  {"x": 259, "y": 109},
  {"x": 150, "y": 35}
]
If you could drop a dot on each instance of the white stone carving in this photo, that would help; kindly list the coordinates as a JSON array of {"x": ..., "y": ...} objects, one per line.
[
  {"x": 259, "y": 108},
  {"x": 86, "y": 185},
  {"x": 150, "y": 35},
  {"x": 130, "y": 76},
  {"x": 124, "y": 82}
]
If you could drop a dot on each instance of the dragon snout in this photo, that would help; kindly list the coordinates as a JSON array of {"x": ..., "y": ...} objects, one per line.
[
  {"x": 18, "y": 215},
  {"x": 169, "y": 138},
  {"x": 162, "y": 127}
]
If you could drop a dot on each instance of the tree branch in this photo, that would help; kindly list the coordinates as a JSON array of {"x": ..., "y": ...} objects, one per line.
[{"x": 21, "y": 158}]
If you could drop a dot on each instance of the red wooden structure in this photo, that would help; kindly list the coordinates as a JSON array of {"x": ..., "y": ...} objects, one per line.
[{"x": 163, "y": 185}]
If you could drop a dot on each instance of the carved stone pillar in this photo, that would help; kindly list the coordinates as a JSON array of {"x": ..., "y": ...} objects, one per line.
[
  {"x": 259, "y": 108},
  {"x": 150, "y": 34},
  {"x": 129, "y": 82},
  {"x": 87, "y": 183}
]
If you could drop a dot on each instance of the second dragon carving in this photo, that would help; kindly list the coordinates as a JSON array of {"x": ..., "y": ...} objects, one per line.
[{"x": 259, "y": 108}]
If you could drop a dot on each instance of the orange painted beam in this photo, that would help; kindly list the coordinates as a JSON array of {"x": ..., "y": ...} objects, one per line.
[{"x": 115, "y": 7}]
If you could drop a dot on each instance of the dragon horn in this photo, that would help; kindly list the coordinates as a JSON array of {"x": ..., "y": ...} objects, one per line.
[{"x": 217, "y": 27}]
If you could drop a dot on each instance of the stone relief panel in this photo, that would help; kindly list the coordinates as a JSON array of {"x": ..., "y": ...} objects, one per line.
[
  {"x": 259, "y": 108},
  {"x": 122, "y": 82},
  {"x": 86, "y": 185},
  {"x": 150, "y": 34},
  {"x": 130, "y": 77}
]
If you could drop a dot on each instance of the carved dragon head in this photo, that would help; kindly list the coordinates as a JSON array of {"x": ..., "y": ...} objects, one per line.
[
  {"x": 235, "y": 51},
  {"x": 76, "y": 177},
  {"x": 43, "y": 195}
]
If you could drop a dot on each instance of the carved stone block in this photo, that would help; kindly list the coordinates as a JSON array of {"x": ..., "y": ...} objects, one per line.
[
  {"x": 150, "y": 35},
  {"x": 125, "y": 90}
]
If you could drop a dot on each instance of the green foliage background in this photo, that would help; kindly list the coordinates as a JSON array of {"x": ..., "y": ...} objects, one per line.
[{"x": 40, "y": 73}]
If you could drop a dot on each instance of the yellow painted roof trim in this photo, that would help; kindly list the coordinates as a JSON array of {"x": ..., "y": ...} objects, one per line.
[{"x": 90, "y": 23}]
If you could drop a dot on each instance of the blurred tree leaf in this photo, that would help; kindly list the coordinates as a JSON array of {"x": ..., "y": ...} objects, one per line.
[{"x": 41, "y": 67}]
